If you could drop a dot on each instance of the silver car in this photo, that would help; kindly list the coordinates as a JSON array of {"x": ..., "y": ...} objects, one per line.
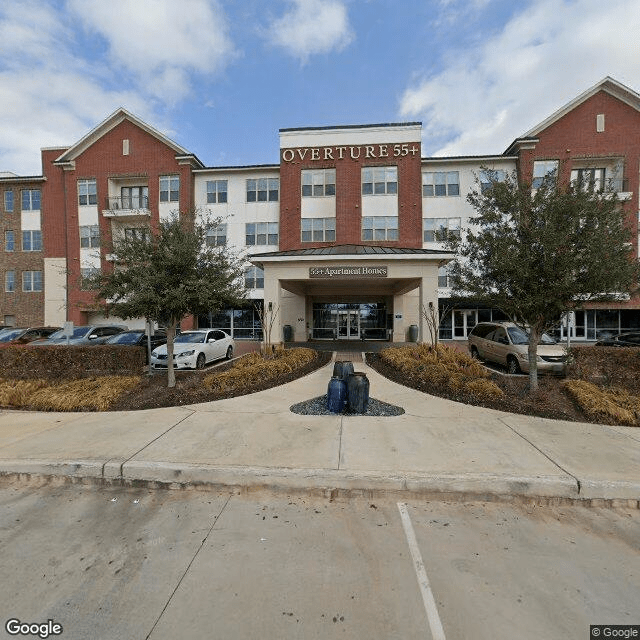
[{"x": 507, "y": 344}]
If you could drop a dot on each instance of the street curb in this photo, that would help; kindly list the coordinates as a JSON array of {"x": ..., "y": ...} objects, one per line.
[{"x": 330, "y": 482}]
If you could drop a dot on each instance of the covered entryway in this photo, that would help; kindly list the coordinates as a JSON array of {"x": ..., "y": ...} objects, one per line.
[{"x": 351, "y": 292}]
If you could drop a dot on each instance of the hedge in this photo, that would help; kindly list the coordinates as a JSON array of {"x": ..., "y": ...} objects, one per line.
[
  {"x": 606, "y": 366},
  {"x": 70, "y": 363}
]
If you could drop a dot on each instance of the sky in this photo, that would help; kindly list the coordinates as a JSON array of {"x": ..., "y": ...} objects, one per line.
[{"x": 221, "y": 77}]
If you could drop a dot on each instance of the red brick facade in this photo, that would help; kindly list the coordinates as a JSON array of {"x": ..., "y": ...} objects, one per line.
[{"x": 349, "y": 194}]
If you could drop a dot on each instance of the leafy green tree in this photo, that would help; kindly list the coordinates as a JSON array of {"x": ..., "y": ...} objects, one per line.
[
  {"x": 538, "y": 253},
  {"x": 168, "y": 273}
]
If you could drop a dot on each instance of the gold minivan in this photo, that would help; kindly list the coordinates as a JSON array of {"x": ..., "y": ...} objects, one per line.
[{"x": 507, "y": 344}]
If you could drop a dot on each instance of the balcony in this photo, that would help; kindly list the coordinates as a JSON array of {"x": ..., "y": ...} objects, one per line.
[{"x": 127, "y": 207}]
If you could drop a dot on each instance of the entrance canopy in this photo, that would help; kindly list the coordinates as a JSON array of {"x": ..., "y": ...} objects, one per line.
[{"x": 403, "y": 281}]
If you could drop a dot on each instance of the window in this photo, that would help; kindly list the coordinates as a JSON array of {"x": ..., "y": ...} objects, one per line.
[
  {"x": 588, "y": 179},
  {"x": 31, "y": 200},
  {"x": 87, "y": 193},
  {"x": 10, "y": 281},
  {"x": 263, "y": 189},
  {"x": 443, "y": 277},
  {"x": 9, "y": 240},
  {"x": 216, "y": 191},
  {"x": 254, "y": 278},
  {"x": 318, "y": 229},
  {"x": 32, "y": 240},
  {"x": 85, "y": 274},
  {"x": 217, "y": 236},
  {"x": 318, "y": 183},
  {"x": 32, "y": 280},
  {"x": 90, "y": 236},
  {"x": 489, "y": 176},
  {"x": 135, "y": 197},
  {"x": 380, "y": 228},
  {"x": 379, "y": 181},
  {"x": 8, "y": 201},
  {"x": 439, "y": 229},
  {"x": 169, "y": 188},
  {"x": 261, "y": 233},
  {"x": 136, "y": 233},
  {"x": 440, "y": 183},
  {"x": 544, "y": 170}
]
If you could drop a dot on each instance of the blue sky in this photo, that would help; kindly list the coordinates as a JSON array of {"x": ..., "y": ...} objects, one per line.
[{"x": 220, "y": 77}]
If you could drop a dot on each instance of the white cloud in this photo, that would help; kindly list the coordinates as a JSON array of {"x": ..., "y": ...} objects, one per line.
[
  {"x": 485, "y": 96},
  {"x": 160, "y": 41},
  {"x": 54, "y": 92},
  {"x": 312, "y": 27}
]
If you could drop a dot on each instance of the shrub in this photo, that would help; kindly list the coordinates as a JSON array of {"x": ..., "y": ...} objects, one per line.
[
  {"x": 256, "y": 366},
  {"x": 604, "y": 405},
  {"x": 441, "y": 366},
  {"x": 483, "y": 388},
  {"x": 79, "y": 395},
  {"x": 608, "y": 366}
]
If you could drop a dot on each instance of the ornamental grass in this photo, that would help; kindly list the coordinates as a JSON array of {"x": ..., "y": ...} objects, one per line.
[
  {"x": 255, "y": 366},
  {"x": 604, "y": 405},
  {"x": 444, "y": 367},
  {"x": 87, "y": 394}
]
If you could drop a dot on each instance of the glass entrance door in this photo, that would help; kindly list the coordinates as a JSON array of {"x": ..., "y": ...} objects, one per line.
[
  {"x": 349, "y": 325},
  {"x": 463, "y": 321}
]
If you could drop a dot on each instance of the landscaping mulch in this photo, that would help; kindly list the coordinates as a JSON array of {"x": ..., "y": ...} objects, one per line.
[
  {"x": 152, "y": 393},
  {"x": 550, "y": 401}
]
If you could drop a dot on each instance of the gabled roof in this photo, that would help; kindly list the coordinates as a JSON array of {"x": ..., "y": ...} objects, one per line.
[
  {"x": 118, "y": 116},
  {"x": 349, "y": 250},
  {"x": 608, "y": 84}
]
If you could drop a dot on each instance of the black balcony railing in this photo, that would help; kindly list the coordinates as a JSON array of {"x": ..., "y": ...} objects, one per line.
[{"x": 116, "y": 203}]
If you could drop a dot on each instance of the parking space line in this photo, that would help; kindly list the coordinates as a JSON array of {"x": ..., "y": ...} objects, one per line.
[{"x": 437, "y": 632}]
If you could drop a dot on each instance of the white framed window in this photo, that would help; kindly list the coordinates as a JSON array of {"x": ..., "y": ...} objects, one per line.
[
  {"x": 489, "y": 176},
  {"x": 31, "y": 199},
  {"x": 169, "y": 188},
  {"x": 216, "y": 191},
  {"x": 90, "y": 236},
  {"x": 380, "y": 228},
  {"x": 87, "y": 192},
  {"x": 443, "y": 277},
  {"x": 318, "y": 229},
  {"x": 217, "y": 236},
  {"x": 9, "y": 240},
  {"x": 261, "y": 233},
  {"x": 439, "y": 229},
  {"x": 32, "y": 281},
  {"x": 10, "y": 281},
  {"x": 137, "y": 233},
  {"x": 589, "y": 179},
  {"x": 318, "y": 183},
  {"x": 440, "y": 183},
  {"x": 32, "y": 240},
  {"x": 379, "y": 181},
  {"x": 263, "y": 189},
  {"x": 8, "y": 201},
  {"x": 254, "y": 278},
  {"x": 544, "y": 170}
]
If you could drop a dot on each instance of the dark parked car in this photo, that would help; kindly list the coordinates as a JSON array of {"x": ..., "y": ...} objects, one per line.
[
  {"x": 630, "y": 339},
  {"x": 24, "y": 335},
  {"x": 83, "y": 335},
  {"x": 138, "y": 338}
]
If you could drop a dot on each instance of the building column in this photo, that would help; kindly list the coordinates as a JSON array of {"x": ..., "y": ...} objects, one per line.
[{"x": 272, "y": 305}]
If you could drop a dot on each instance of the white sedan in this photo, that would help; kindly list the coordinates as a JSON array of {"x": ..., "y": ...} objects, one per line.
[{"x": 194, "y": 349}]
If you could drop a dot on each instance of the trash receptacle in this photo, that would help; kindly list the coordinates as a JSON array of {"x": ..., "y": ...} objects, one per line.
[
  {"x": 287, "y": 333},
  {"x": 413, "y": 333}
]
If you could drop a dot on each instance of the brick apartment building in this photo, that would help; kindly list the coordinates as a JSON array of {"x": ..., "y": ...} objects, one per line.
[{"x": 341, "y": 235}]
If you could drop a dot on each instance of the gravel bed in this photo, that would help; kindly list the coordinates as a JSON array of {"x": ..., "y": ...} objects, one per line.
[{"x": 318, "y": 407}]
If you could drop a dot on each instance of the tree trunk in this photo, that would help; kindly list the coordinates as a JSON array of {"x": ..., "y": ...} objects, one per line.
[
  {"x": 534, "y": 337},
  {"x": 171, "y": 374}
]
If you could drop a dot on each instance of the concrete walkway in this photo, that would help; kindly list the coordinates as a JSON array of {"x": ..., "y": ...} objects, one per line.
[{"x": 437, "y": 449}]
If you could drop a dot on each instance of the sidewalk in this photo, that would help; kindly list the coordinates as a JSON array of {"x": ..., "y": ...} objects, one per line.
[{"x": 437, "y": 449}]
